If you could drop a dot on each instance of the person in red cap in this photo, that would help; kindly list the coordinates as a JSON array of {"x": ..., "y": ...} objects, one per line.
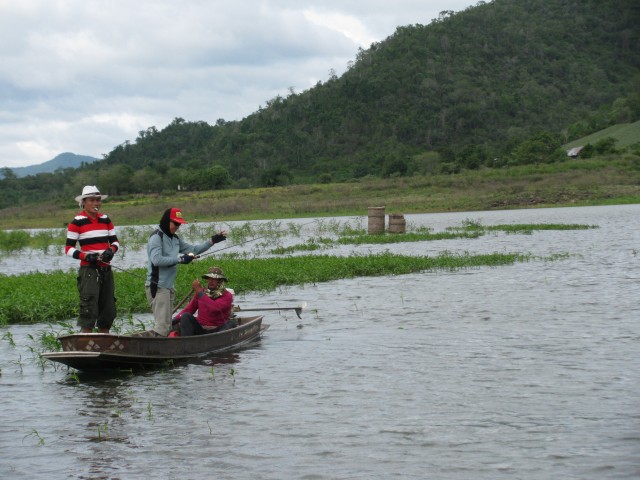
[
  {"x": 91, "y": 238},
  {"x": 166, "y": 250}
]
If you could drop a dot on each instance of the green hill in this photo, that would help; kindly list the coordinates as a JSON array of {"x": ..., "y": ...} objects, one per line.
[{"x": 503, "y": 83}]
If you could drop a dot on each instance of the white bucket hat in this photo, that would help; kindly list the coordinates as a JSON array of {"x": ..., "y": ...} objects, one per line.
[{"x": 89, "y": 191}]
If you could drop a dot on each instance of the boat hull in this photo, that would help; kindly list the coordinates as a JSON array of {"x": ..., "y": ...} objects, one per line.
[{"x": 96, "y": 351}]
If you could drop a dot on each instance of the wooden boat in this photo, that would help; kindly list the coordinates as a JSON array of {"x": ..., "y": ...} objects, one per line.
[{"x": 98, "y": 351}]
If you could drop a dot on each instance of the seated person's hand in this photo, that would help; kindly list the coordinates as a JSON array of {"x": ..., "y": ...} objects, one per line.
[{"x": 195, "y": 285}]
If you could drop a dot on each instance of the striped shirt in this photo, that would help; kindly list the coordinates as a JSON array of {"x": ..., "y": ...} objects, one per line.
[{"x": 92, "y": 236}]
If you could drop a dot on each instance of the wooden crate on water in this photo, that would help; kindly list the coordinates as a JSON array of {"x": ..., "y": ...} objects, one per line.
[
  {"x": 376, "y": 220},
  {"x": 397, "y": 223}
]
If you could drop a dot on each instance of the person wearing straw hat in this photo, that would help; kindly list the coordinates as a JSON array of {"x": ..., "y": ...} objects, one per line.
[
  {"x": 92, "y": 239},
  {"x": 165, "y": 251},
  {"x": 213, "y": 305}
]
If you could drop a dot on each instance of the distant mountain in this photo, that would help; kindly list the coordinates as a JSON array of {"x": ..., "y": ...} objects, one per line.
[{"x": 64, "y": 160}]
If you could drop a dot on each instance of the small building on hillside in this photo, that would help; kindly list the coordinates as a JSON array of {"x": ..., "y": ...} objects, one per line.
[{"x": 574, "y": 152}]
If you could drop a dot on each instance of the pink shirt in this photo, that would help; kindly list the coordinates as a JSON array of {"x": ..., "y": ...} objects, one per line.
[{"x": 211, "y": 313}]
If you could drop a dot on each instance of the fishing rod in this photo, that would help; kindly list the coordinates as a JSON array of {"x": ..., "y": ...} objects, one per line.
[{"x": 212, "y": 252}]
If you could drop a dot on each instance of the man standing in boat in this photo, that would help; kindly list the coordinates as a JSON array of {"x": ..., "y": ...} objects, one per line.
[
  {"x": 213, "y": 304},
  {"x": 166, "y": 250},
  {"x": 95, "y": 235}
]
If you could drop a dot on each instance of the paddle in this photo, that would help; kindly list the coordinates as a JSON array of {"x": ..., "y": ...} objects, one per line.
[
  {"x": 182, "y": 302},
  {"x": 297, "y": 309}
]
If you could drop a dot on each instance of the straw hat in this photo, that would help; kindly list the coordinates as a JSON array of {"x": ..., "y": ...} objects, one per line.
[{"x": 215, "y": 272}]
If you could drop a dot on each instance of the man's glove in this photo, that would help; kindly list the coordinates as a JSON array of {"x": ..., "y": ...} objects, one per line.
[
  {"x": 107, "y": 255},
  {"x": 185, "y": 258},
  {"x": 91, "y": 257},
  {"x": 217, "y": 238}
]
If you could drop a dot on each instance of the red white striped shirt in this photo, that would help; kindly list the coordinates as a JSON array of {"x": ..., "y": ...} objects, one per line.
[{"x": 93, "y": 235}]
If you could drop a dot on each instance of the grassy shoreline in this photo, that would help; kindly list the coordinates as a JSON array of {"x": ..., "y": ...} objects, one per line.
[{"x": 603, "y": 181}]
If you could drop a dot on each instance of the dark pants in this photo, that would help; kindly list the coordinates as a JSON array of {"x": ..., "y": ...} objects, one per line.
[
  {"x": 97, "y": 298},
  {"x": 189, "y": 326}
]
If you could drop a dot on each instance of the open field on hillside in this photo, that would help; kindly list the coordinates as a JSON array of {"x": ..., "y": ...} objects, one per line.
[
  {"x": 599, "y": 181},
  {"x": 625, "y": 134}
]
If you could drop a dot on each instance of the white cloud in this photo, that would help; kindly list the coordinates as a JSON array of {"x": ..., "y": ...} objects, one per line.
[
  {"x": 347, "y": 25},
  {"x": 86, "y": 75}
]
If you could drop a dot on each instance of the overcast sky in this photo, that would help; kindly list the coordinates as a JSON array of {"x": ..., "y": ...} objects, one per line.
[{"x": 84, "y": 76}]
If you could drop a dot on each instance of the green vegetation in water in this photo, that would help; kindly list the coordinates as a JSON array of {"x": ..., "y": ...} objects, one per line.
[
  {"x": 468, "y": 230},
  {"x": 135, "y": 238},
  {"x": 16, "y": 240},
  {"x": 383, "y": 238},
  {"x": 53, "y": 297},
  {"x": 311, "y": 245},
  {"x": 343, "y": 232},
  {"x": 38, "y": 437},
  {"x": 518, "y": 228}
]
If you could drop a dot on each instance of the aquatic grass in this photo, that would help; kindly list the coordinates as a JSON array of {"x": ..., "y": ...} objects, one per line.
[
  {"x": 34, "y": 433},
  {"x": 8, "y": 336},
  {"x": 250, "y": 231},
  {"x": 384, "y": 238},
  {"x": 38, "y": 297},
  {"x": 353, "y": 226},
  {"x": 103, "y": 429},
  {"x": 312, "y": 244},
  {"x": 268, "y": 274},
  {"x": 75, "y": 377},
  {"x": 18, "y": 240},
  {"x": 14, "y": 241},
  {"x": 135, "y": 238},
  {"x": 528, "y": 228},
  {"x": 56, "y": 298},
  {"x": 518, "y": 228},
  {"x": 360, "y": 237},
  {"x": 44, "y": 239},
  {"x": 18, "y": 362}
]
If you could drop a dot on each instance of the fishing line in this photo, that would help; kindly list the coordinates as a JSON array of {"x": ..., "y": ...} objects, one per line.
[{"x": 251, "y": 240}]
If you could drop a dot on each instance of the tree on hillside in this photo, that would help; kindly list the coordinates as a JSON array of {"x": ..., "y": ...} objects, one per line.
[
  {"x": 117, "y": 180},
  {"x": 7, "y": 174},
  {"x": 212, "y": 178},
  {"x": 544, "y": 147}
]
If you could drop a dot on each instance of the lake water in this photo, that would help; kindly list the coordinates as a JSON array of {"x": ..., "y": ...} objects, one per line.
[{"x": 530, "y": 371}]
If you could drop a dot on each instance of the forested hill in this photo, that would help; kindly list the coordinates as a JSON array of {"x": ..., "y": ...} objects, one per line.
[{"x": 501, "y": 82}]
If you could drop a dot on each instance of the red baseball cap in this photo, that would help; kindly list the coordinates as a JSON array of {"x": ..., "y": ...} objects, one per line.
[{"x": 176, "y": 216}]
